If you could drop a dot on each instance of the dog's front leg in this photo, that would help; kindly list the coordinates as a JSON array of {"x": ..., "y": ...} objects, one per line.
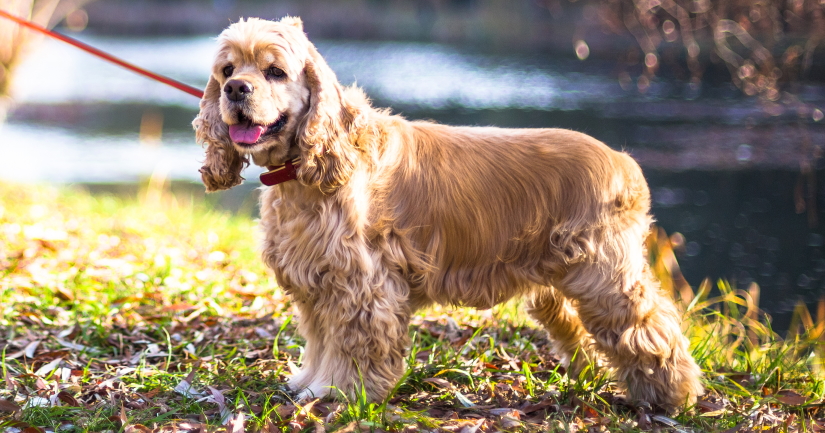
[
  {"x": 356, "y": 337},
  {"x": 313, "y": 350}
]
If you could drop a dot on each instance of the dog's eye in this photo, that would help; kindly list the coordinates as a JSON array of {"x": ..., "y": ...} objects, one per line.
[
  {"x": 274, "y": 72},
  {"x": 228, "y": 70}
]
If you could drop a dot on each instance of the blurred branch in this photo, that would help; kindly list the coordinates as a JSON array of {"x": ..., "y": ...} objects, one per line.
[
  {"x": 15, "y": 42},
  {"x": 766, "y": 45}
]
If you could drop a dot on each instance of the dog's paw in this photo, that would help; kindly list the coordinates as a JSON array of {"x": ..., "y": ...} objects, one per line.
[
  {"x": 315, "y": 390},
  {"x": 299, "y": 380},
  {"x": 305, "y": 394}
]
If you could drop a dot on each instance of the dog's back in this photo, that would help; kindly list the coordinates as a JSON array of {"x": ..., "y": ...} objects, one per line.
[{"x": 498, "y": 210}]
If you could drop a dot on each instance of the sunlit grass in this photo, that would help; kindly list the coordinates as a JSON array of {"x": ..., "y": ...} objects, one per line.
[{"x": 154, "y": 311}]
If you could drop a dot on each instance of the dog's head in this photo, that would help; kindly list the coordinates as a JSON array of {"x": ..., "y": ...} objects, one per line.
[{"x": 272, "y": 97}]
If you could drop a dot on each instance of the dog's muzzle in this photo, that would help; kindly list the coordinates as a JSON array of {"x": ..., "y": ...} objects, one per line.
[{"x": 238, "y": 90}]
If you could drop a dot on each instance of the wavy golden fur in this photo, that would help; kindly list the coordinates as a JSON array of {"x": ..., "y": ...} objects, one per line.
[{"x": 389, "y": 215}]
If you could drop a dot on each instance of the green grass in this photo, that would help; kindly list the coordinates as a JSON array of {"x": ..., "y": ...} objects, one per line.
[{"x": 154, "y": 313}]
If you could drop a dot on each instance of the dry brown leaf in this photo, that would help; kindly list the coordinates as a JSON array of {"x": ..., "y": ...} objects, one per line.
[
  {"x": 122, "y": 416},
  {"x": 438, "y": 382},
  {"x": 136, "y": 428},
  {"x": 790, "y": 397},
  {"x": 48, "y": 368},
  {"x": 349, "y": 428},
  {"x": 505, "y": 411},
  {"x": 31, "y": 348},
  {"x": 535, "y": 407},
  {"x": 16, "y": 355},
  {"x": 305, "y": 411},
  {"x": 237, "y": 425},
  {"x": 224, "y": 413},
  {"x": 68, "y": 399},
  {"x": 63, "y": 294},
  {"x": 509, "y": 422},
  {"x": 286, "y": 411},
  {"x": 707, "y": 406},
  {"x": 670, "y": 422},
  {"x": 270, "y": 427},
  {"x": 472, "y": 428},
  {"x": 643, "y": 421},
  {"x": 41, "y": 384},
  {"x": 8, "y": 406},
  {"x": 185, "y": 386}
]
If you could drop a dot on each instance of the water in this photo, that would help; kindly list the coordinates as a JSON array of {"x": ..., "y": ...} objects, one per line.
[{"x": 740, "y": 179}]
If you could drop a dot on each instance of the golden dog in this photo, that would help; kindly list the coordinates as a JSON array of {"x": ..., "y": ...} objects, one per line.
[{"x": 386, "y": 216}]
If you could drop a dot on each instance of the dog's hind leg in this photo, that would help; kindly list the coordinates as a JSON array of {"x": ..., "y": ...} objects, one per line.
[
  {"x": 571, "y": 342},
  {"x": 633, "y": 324}
]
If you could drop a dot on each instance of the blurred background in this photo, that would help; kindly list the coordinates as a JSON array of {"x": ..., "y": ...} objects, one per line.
[{"x": 721, "y": 102}]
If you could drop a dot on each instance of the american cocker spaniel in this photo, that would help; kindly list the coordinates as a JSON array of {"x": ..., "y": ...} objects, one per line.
[{"x": 371, "y": 217}]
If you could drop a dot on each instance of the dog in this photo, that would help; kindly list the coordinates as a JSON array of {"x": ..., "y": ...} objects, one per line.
[{"x": 371, "y": 217}]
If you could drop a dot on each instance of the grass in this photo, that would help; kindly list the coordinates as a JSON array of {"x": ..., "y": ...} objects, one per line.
[{"x": 154, "y": 313}]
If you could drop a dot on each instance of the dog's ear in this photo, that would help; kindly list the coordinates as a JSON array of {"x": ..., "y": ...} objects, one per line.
[
  {"x": 223, "y": 164},
  {"x": 328, "y": 155},
  {"x": 293, "y": 21}
]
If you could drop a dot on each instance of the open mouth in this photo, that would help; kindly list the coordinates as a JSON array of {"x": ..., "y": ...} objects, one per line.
[{"x": 247, "y": 133}]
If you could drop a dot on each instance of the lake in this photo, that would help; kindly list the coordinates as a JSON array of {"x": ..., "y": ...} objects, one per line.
[{"x": 741, "y": 179}]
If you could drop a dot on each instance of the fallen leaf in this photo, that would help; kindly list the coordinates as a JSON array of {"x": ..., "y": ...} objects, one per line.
[
  {"x": 643, "y": 421},
  {"x": 185, "y": 386},
  {"x": 263, "y": 333},
  {"x": 16, "y": 355},
  {"x": 48, "y": 368},
  {"x": 270, "y": 427},
  {"x": 286, "y": 411},
  {"x": 305, "y": 411},
  {"x": 41, "y": 384},
  {"x": 463, "y": 400},
  {"x": 11, "y": 384},
  {"x": 706, "y": 406},
  {"x": 439, "y": 382},
  {"x": 122, "y": 416},
  {"x": 31, "y": 348},
  {"x": 511, "y": 420},
  {"x": 76, "y": 346},
  {"x": 473, "y": 428},
  {"x": 535, "y": 407},
  {"x": 237, "y": 424},
  {"x": 670, "y": 422},
  {"x": 224, "y": 413},
  {"x": 505, "y": 410},
  {"x": 37, "y": 402},
  {"x": 63, "y": 294},
  {"x": 790, "y": 398},
  {"x": 349, "y": 428},
  {"x": 8, "y": 406},
  {"x": 68, "y": 399}
]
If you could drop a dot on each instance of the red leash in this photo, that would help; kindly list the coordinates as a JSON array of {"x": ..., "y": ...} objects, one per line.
[{"x": 92, "y": 50}]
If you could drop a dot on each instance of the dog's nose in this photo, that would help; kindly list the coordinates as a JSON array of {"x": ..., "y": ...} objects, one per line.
[{"x": 237, "y": 90}]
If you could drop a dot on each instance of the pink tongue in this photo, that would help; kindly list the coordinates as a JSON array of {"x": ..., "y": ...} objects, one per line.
[{"x": 246, "y": 134}]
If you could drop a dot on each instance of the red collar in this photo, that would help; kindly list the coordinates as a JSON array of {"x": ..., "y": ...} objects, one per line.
[{"x": 281, "y": 173}]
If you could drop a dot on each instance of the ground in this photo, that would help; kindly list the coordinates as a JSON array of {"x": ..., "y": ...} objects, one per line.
[{"x": 154, "y": 313}]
